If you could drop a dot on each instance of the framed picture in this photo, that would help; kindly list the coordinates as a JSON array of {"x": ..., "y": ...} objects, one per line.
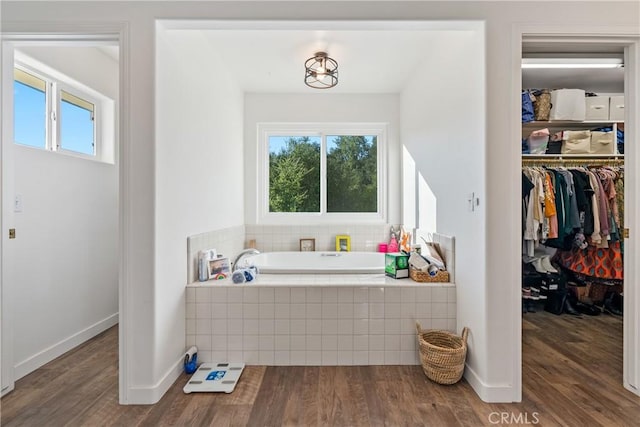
[
  {"x": 219, "y": 268},
  {"x": 307, "y": 245},
  {"x": 343, "y": 243}
]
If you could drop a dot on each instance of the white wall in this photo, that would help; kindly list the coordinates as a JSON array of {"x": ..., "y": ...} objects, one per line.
[
  {"x": 199, "y": 171},
  {"x": 443, "y": 134},
  {"x": 291, "y": 108},
  {"x": 66, "y": 283},
  {"x": 141, "y": 379}
]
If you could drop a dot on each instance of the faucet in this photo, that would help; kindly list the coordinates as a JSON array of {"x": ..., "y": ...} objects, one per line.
[{"x": 242, "y": 253}]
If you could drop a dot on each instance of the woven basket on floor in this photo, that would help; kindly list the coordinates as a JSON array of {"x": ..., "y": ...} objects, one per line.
[{"x": 442, "y": 354}]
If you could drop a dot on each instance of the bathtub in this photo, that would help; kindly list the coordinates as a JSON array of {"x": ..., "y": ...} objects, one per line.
[{"x": 316, "y": 262}]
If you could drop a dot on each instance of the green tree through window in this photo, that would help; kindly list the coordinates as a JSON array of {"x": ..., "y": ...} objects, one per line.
[
  {"x": 351, "y": 170},
  {"x": 294, "y": 174},
  {"x": 352, "y": 184}
]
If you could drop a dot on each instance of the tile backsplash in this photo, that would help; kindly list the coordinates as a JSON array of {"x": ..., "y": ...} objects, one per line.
[{"x": 287, "y": 238}]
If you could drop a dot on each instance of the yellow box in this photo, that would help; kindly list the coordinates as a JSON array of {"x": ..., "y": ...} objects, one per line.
[{"x": 343, "y": 243}]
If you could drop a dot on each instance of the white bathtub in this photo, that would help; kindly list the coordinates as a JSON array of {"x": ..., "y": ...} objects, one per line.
[{"x": 316, "y": 262}]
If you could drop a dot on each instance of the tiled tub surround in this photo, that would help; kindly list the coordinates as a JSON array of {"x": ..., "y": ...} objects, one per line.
[{"x": 315, "y": 319}]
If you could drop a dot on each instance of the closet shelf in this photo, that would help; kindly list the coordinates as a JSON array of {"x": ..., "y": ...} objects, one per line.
[
  {"x": 573, "y": 156},
  {"x": 570, "y": 123},
  {"x": 590, "y": 160}
]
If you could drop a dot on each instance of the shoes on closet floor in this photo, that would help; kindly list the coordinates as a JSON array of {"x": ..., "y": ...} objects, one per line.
[
  {"x": 569, "y": 308},
  {"x": 608, "y": 308},
  {"x": 537, "y": 264},
  {"x": 536, "y": 295},
  {"x": 528, "y": 270},
  {"x": 613, "y": 304},
  {"x": 588, "y": 309},
  {"x": 531, "y": 307},
  {"x": 528, "y": 294},
  {"x": 546, "y": 264}
]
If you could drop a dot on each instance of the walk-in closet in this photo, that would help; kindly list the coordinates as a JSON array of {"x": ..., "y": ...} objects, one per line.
[{"x": 573, "y": 230}]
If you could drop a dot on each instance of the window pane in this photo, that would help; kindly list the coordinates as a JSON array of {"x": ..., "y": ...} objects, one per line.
[
  {"x": 294, "y": 174},
  {"x": 352, "y": 174},
  {"x": 76, "y": 124},
  {"x": 29, "y": 110}
]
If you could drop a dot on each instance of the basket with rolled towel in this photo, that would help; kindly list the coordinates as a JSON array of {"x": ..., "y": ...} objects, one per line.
[{"x": 428, "y": 266}]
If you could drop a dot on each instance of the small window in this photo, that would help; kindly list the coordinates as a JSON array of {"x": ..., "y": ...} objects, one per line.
[
  {"x": 321, "y": 172},
  {"x": 77, "y": 124},
  {"x": 56, "y": 113},
  {"x": 29, "y": 109}
]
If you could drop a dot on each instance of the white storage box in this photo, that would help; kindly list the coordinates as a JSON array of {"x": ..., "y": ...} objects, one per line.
[
  {"x": 576, "y": 142},
  {"x": 567, "y": 104},
  {"x": 602, "y": 143},
  {"x": 597, "y": 108},
  {"x": 616, "y": 108}
]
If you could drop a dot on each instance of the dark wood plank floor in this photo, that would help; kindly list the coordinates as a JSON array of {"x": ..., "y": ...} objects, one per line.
[{"x": 572, "y": 376}]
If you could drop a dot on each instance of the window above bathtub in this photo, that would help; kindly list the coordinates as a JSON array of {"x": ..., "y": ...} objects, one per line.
[{"x": 321, "y": 172}]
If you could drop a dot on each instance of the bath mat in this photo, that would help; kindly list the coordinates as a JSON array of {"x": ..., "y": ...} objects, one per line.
[{"x": 215, "y": 377}]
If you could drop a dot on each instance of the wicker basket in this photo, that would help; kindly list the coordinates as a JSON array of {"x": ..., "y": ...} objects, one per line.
[
  {"x": 442, "y": 354},
  {"x": 424, "y": 276}
]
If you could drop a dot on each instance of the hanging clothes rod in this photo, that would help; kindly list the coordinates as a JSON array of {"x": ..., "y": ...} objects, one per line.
[{"x": 574, "y": 162}]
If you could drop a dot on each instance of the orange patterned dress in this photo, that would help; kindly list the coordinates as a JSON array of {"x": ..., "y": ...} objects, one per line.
[{"x": 594, "y": 264}]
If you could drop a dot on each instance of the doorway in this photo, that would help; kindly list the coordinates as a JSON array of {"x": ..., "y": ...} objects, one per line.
[
  {"x": 626, "y": 344},
  {"x": 60, "y": 196}
]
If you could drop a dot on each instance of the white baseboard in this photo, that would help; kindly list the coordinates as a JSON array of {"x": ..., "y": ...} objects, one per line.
[
  {"x": 489, "y": 393},
  {"x": 631, "y": 388},
  {"x": 148, "y": 395},
  {"x": 8, "y": 389},
  {"x": 48, "y": 354}
]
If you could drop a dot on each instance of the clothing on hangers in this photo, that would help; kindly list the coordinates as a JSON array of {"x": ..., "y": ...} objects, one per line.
[{"x": 577, "y": 210}]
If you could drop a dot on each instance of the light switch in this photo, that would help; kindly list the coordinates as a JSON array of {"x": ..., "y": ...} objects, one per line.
[
  {"x": 17, "y": 203},
  {"x": 473, "y": 202}
]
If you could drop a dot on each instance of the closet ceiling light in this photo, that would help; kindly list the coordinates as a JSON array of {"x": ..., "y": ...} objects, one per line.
[
  {"x": 572, "y": 63},
  {"x": 321, "y": 72}
]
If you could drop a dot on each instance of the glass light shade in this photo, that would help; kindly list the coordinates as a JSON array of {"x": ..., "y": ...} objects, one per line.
[{"x": 321, "y": 72}]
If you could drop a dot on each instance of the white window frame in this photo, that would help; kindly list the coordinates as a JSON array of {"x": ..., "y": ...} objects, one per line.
[
  {"x": 266, "y": 130},
  {"x": 55, "y": 83},
  {"x": 97, "y": 119},
  {"x": 49, "y": 106}
]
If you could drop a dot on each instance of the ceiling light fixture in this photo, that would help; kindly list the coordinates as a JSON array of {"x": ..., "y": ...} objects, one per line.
[
  {"x": 321, "y": 72},
  {"x": 572, "y": 63}
]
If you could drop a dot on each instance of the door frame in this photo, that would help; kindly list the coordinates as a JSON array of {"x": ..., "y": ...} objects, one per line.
[
  {"x": 17, "y": 34},
  {"x": 629, "y": 37}
]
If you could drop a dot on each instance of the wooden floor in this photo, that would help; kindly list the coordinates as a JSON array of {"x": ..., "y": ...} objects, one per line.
[{"x": 572, "y": 376}]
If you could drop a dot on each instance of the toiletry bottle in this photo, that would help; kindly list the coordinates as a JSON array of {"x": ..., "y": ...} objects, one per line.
[
  {"x": 203, "y": 265},
  {"x": 393, "y": 244}
]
